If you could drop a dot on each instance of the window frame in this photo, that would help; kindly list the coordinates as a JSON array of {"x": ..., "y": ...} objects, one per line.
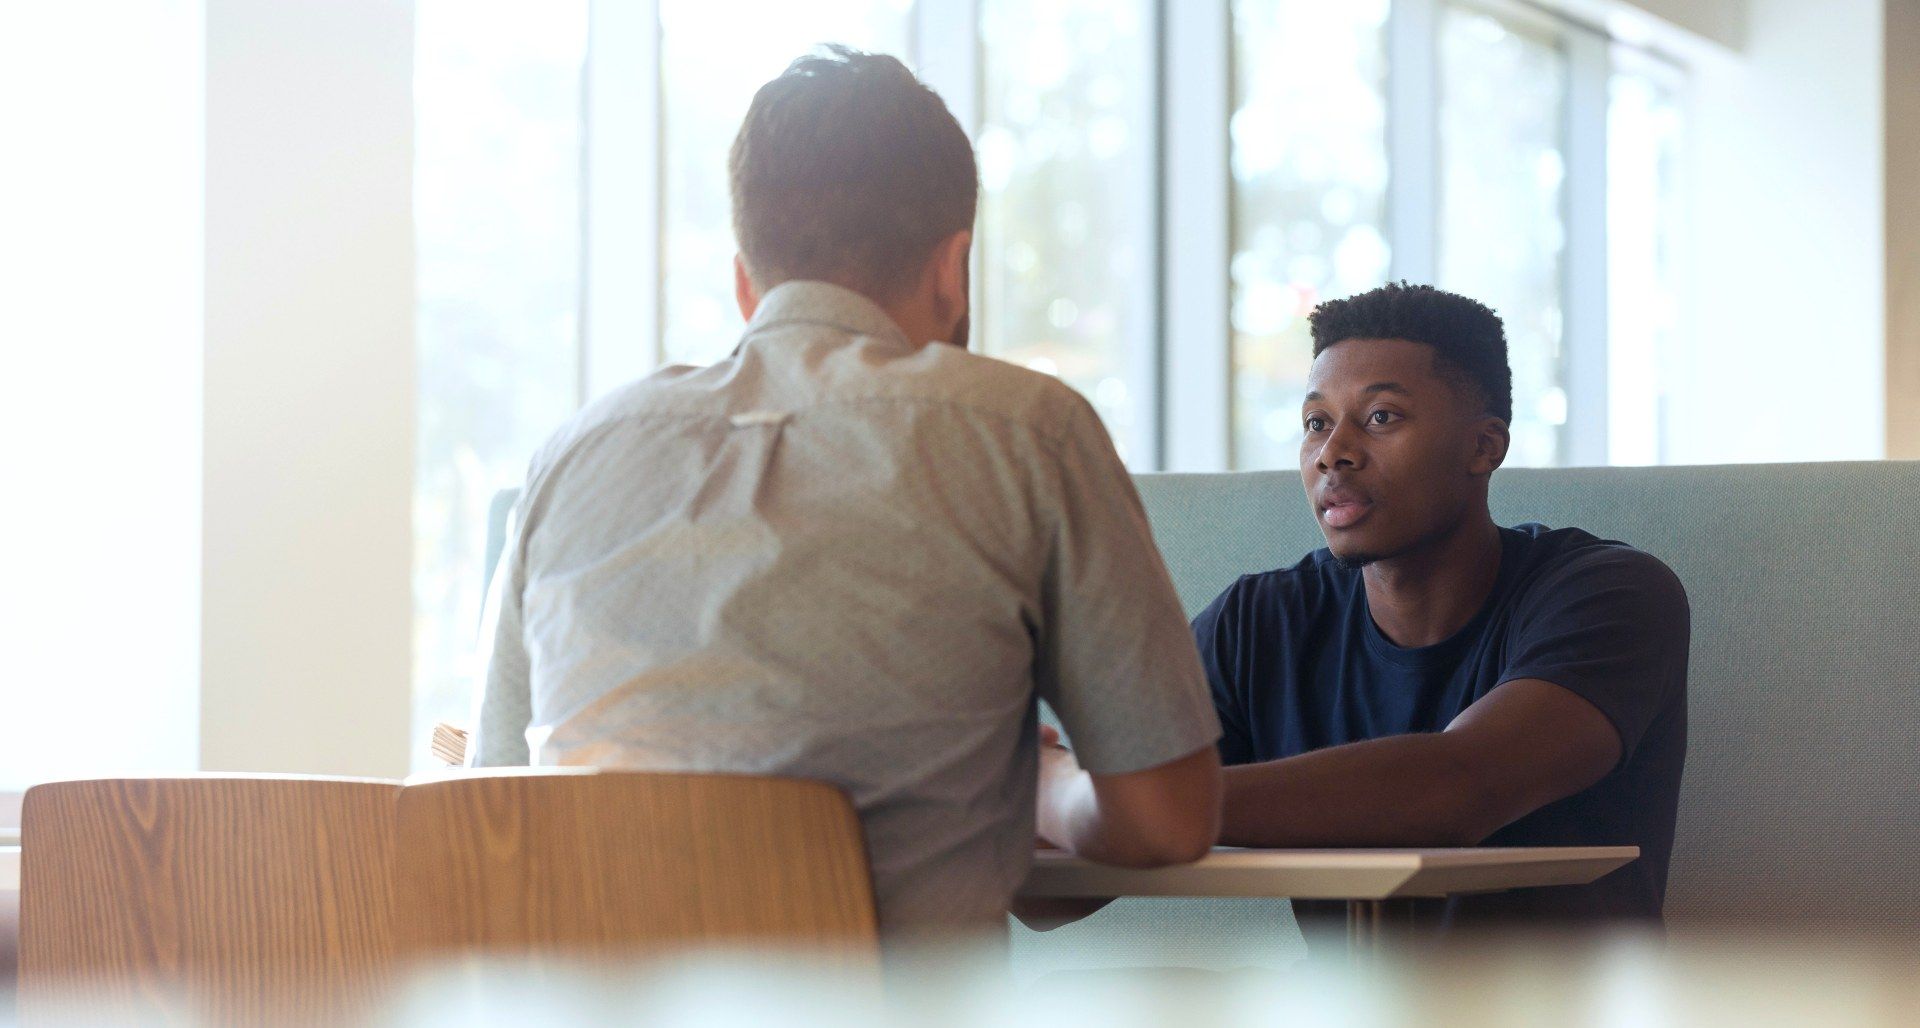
[
  {"x": 1187, "y": 423},
  {"x": 1670, "y": 74}
]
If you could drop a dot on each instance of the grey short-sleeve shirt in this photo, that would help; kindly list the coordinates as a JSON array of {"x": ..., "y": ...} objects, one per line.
[{"x": 841, "y": 556}]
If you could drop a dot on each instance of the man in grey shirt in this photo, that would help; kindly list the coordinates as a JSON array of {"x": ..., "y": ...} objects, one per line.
[{"x": 854, "y": 551}]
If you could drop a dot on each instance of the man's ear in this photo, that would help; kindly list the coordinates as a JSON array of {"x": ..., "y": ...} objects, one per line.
[
  {"x": 743, "y": 291},
  {"x": 949, "y": 271},
  {"x": 1490, "y": 446}
]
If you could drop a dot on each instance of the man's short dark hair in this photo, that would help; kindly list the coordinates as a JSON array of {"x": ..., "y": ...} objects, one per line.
[
  {"x": 1466, "y": 335},
  {"x": 849, "y": 170}
]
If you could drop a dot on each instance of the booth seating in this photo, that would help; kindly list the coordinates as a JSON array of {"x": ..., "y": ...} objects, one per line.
[{"x": 1800, "y": 810}]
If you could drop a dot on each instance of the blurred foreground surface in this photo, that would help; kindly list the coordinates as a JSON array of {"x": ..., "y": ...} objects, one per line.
[{"x": 1616, "y": 981}]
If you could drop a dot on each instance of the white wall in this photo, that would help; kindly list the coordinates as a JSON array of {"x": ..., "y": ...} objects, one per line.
[
  {"x": 1903, "y": 228},
  {"x": 100, "y": 277},
  {"x": 1787, "y": 269},
  {"x": 309, "y": 386}
]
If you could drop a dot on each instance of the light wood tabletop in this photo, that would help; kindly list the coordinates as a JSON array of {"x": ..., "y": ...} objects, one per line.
[{"x": 1370, "y": 874}]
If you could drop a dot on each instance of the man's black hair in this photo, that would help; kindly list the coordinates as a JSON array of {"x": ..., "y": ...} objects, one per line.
[
  {"x": 848, "y": 169},
  {"x": 1466, "y": 335}
]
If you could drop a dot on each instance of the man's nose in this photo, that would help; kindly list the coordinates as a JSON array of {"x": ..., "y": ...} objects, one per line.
[{"x": 1341, "y": 450}]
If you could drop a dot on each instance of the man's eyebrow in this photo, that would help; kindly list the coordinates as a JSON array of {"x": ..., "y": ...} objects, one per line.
[{"x": 1377, "y": 387}]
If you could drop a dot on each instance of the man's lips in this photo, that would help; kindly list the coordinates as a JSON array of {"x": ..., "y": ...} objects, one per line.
[{"x": 1343, "y": 508}]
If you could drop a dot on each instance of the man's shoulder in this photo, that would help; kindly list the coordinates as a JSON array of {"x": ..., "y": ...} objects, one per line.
[
  {"x": 1565, "y": 563},
  {"x": 991, "y": 387},
  {"x": 658, "y": 395},
  {"x": 938, "y": 374}
]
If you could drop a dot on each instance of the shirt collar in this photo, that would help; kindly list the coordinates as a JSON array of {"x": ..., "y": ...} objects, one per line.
[{"x": 823, "y": 303}]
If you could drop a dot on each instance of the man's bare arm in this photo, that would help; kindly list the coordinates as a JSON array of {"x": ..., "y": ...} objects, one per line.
[
  {"x": 1168, "y": 814},
  {"x": 1515, "y": 750}
]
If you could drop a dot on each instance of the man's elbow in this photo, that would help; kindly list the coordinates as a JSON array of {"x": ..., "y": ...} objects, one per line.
[
  {"x": 1482, "y": 804},
  {"x": 1183, "y": 839},
  {"x": 1167, "y": 815},
  {"x": 1165, "y": 848},
  {"x": 1191, "y": 848}
]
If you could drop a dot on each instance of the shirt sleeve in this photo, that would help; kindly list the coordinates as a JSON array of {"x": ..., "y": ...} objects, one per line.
[
  {"x": 1115, "y": 659},
  {"x": 503, "y": 707},
  {"x": 1216, "y": 631},
  {"x": 1613, "y": 628}
]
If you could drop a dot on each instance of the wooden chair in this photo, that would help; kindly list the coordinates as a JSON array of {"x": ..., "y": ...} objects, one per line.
[
  {"x": 576, "y": 862},
  {"x": 221, "y": 898}
]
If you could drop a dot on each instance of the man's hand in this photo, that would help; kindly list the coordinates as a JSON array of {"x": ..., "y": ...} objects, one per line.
[{"x": 1057, "y": 767}]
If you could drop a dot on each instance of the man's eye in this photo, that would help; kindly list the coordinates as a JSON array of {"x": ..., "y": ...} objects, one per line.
[
  {"x": 1382, "y": 417},
  {"x": 1316, "y": 424}
]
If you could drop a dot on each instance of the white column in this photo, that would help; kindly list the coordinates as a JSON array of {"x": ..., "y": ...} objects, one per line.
[
  {"x": 309, "y": 387},
  {"x": 1786, "y": 207},
  {"x": 100, "y": 204}
]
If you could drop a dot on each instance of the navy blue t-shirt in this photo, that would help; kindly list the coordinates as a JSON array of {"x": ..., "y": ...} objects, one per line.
[{"x": 1297, "y": 664}]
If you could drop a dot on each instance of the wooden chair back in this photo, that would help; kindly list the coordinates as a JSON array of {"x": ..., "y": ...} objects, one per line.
[
  {"x": 219, "y": 898},
  {"x": 579, "y": 862}
]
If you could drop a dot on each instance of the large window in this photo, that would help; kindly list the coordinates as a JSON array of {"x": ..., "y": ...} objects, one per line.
[
  {"x": 1644, "y": 126},
  {"x": 1502, "y": 104},
  {"x": 497, "y": 149},
  {"x": 1168, "y": 190},
  {"x": 1309, "y": 163},
  {"x": 1066, "y": 223},
  {"x": 709, "y": 70}
]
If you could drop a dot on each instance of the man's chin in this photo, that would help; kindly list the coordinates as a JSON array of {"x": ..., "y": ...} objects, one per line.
[{"x": 1354, "y": 561}]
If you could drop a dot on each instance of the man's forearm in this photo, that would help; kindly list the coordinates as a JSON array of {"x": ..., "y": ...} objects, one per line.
[
  {"x": 1406, "y": 790},
  {"x": 1071, "y": 818},
  {"x": 1168, "y": 814}
]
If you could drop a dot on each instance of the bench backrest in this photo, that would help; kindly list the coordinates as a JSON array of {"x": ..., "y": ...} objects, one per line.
[{"x": 1802, "y": 793}]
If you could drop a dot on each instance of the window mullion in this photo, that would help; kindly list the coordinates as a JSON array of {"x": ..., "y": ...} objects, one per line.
[
  {"x": 1413, "y": 143},
  {"x": 946, "y": 54},
  {"x": 620, "y": 195},
  {"x": 1196, "y": 211},
  {"x": 1584, "y": 309}
]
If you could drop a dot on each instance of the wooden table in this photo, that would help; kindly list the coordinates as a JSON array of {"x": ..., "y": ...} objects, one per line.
[{"x": 1370, "y": 881}]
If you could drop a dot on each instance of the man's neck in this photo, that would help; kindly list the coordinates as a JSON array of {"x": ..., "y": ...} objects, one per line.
[{"x": 1424, "y": 597}]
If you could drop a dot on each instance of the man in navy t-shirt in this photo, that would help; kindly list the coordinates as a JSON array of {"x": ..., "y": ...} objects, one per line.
[{"x": 1431, "y": 678}]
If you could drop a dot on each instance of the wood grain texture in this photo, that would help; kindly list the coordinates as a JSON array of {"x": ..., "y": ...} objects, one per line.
[
  {"x": 588, "y": 863},
  {"x": 223, "y": 899}
]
